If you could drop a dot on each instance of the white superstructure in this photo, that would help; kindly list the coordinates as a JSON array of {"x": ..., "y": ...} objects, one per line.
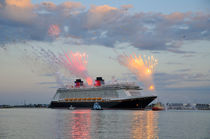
[{"x": 114, "y": 91}]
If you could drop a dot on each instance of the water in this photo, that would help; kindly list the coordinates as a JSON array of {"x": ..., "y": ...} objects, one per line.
[{"x": 106, "y": 124}]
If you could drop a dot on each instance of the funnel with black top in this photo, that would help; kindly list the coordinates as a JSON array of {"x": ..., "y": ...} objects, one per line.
[
  {"x": 99, "y": 81},
  {"x": 78, "y": 83}
]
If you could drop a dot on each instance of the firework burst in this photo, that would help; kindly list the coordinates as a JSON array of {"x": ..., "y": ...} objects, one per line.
[
  {"x": 76, "y": 63},
  {"x": 142, "y": 67},
  {"x": 54, "y": 30}
]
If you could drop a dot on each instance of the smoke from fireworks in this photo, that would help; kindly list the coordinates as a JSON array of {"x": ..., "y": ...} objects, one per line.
[
  {"x": 59, "y": 64},
  {"x": 47, "y": 61},
  {"x": 142, "y": 67}
]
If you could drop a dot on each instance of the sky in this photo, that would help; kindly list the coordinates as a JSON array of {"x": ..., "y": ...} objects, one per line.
[{"x": 35, "y": 35}]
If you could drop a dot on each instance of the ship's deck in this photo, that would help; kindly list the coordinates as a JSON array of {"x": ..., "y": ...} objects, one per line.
[{"x": 103, "y": 87}]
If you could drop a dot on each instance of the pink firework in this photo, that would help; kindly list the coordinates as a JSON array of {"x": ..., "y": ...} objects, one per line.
[
  {"x": 76, "y": 63},
  {"x": 54, "y": 30}
]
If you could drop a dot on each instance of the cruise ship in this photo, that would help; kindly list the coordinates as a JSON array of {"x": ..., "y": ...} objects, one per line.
[{"x": 110, "y": 96}]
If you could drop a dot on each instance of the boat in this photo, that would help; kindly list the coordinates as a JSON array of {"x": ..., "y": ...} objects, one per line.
[
  {"x": 96, "y": 106},
  {"x": 71, "y": 107},
  {"x": 158, "y": 107},
  {"x": 108, "y": 96}
]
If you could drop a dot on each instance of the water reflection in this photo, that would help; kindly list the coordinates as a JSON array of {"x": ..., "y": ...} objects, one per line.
[
  {"x": 81, "y": 123},
  {"x": 108, "y": 124},
  {"x": 86, "y": 124},
  {"x": 145, "y": 125}
]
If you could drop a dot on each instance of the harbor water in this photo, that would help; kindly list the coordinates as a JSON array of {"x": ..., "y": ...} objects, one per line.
[{"x": 33, "y": 123}]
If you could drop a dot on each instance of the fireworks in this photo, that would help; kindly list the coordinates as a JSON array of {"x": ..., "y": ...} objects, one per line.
[
  {"x": 54, "y": 30},
  {"x": 142, "y": 67},
  {"x": 58, "y": 64},
  {"x": 76, "y": 64},
  {"x": 89, "y": 81}
]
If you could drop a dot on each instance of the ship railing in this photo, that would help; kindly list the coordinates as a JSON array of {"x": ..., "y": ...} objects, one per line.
[{"x": 123, "y": 85}]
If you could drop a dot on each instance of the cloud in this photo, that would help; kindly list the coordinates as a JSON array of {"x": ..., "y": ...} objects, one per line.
[
  {"x": 48, "y": 5},
  {"x": 71, "y": 5},
  {"x": 64, "y": 9},
  {"x": 16, "y": 11},
  {"x": 174, "y": 63},
  {"x": 19, "y": 3},
  {"x": 126, "y": 7},
  {"x": 176, "y": 16},
  {"x": 98, "y": 15},
  {"x": 181, "y": 78},
  {"x": 102, "y": 25},
  {"x": 184, "y": 70}
]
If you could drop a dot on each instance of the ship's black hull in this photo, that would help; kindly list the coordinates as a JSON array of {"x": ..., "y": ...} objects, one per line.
[{"x": 132, "y": 103}]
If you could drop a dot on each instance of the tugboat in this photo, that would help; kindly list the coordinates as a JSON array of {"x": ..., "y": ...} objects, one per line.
[
  {"x": 96, "y": 106},
  {"x": 158, "y": 107},
  {"x": 71, "y": 108}
]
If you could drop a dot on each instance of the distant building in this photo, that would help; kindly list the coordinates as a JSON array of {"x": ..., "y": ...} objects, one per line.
[
  {"x": 202, "y": 106},
  {"x": 5, "y": 106},
  {"x": 189, "y": 106},
  {"x": 176, "y": 106}
]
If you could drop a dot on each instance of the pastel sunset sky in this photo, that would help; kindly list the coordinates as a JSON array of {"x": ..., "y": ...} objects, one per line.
[{"x": 34, "y": 34}]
